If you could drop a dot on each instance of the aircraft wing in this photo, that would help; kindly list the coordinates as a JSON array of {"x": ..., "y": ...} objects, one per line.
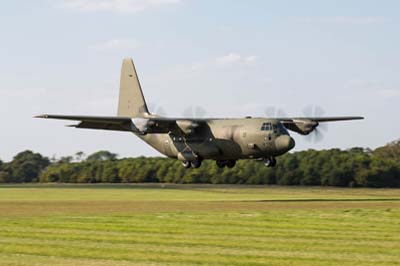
[
  {"x": 137, "y": 125},
  {"x": 305, "y": 125},
  {"x": 320, "y": 119}
]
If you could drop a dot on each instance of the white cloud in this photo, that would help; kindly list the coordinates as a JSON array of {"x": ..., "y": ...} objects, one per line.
[
  {"x": 116, "y": 45},
  {"x": 118, "y": 6},
  {"x": 234, "y": 58}
]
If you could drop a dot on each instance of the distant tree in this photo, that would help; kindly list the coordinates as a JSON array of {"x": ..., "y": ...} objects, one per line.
[
  {"x": 4, "y": 172},
  {"x": 389, "y": 151},
  {"x": 101, "y": 156},
  {"x": 79, "y": 156},
  {"x": 53, "y": 159},
  {"x": 4, "y": 176},
  {"x": 65, "y": 159},
  {"x": 110, "y": 173},
  {"x": 26, "y": 166}
]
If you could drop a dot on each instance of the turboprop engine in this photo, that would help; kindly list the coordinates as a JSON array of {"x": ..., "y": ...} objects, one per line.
[
  {"x": 303, "y": 127},
  {"x": 187, "y": 126}
]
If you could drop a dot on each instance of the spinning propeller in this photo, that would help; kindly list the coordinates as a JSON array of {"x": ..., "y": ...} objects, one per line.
[
  {"x": 194, "y": 112},
  {"x": 317, "y": 134}
]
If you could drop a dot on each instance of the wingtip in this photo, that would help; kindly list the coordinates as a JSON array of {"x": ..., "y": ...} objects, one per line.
[{"x": 40, "y": 116}]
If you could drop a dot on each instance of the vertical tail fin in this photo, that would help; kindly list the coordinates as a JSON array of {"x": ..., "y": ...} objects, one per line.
[{"x": 131, "y": 100}]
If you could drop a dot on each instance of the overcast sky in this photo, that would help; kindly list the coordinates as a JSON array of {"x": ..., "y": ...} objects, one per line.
[{"x": 233, "y": 58}]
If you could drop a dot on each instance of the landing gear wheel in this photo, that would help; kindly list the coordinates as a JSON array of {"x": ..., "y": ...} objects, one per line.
[
  {"x": 195, "y": 164},
  {"x": 186, "y": 164},
  {"x": 220, "y": 164},
  {"x": 267, "y": 162},
  {"x": 231, "y": 163},
  {"x": 270, "y": 162}
]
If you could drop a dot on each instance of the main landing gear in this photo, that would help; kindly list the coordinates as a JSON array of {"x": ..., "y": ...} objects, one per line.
[
  {"x": 270, "y": 161},
  {"x": 191, "y": 164},
  {"x": 228, "y": 163}
]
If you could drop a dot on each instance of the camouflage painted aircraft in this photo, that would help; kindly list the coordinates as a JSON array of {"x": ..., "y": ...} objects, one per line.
[{"x": 192, "y": 140}]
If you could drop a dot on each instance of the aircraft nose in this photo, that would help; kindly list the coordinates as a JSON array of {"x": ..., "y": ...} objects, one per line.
[{"x": 284, "y": 143}]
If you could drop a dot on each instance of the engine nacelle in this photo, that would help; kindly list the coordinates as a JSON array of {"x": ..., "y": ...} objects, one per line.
[
  {"x": 303, "y": 127},
  {"x": 140, "y": 125},
  {"x": 187, "y": 126}
]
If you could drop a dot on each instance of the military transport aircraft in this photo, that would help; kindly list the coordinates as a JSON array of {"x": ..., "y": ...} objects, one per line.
[{"x": 192, "y": 140}]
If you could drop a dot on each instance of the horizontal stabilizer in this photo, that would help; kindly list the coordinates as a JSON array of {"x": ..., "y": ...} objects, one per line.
[{"x": 97, "y": 122}]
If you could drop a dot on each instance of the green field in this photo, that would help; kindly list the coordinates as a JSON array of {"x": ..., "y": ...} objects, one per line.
[{"x": 198, "y": 225}]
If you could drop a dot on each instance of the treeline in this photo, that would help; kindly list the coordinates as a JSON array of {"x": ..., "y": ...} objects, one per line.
[{"x": 355, "y": 167}]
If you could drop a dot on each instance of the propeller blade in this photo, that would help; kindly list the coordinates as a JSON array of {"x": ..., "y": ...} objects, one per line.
[
  {"x": 308, "y": 111},
  {"x": 161, "y": 112},
  {"x": 317, "y": 134},
  {"x": 323, "y": 126},
  {"x": 194, "y": 112},
  {"x": 274, "y": 112},
  {"x": 200, "y": 112},
  {"x": 188, "y": 112},
  {"x": 269, "y": 111},
  {"x": 318, "y": 111},
  {"x": 157, "y": 110}
]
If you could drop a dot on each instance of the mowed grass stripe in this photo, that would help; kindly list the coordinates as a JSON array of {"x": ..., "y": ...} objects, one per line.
[
  {"x": 203, "y": 193},
  {"x": 334, "y": 220},
  {"x": 232, "y": 241},
  {"x": 217, "y": 246},
  {"x": 310, "y": 234},
  {"x": 290, "y": 234},
  {"x": 40, "y": 260},
  {"x": 355, "y": 228},
  {"x": 195, "y": 257}
]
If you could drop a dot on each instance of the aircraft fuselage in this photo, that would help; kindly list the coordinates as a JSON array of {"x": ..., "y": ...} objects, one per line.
[{"x": 225, "y": 139}]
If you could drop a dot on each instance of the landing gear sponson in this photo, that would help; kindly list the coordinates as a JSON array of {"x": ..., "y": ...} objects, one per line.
[{"x": 227, "y": 163}]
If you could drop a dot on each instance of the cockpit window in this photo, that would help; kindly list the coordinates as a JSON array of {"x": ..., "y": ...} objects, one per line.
[
  {"x": 266, "y": 127},
  {"x": 282, "y": 129},
  {"x": 278, "y": 127}
]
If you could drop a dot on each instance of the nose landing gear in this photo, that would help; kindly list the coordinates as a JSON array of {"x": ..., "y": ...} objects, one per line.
[{"x": 270, "y": 161}]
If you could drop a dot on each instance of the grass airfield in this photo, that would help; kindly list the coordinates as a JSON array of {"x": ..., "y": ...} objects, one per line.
[{"x": 198, "y": 225}]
